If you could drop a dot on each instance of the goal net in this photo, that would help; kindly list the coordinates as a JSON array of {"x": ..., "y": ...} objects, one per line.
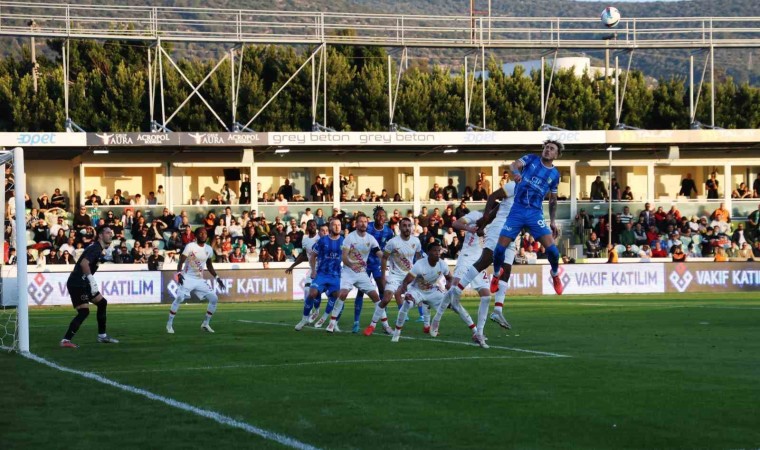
[{"x": 14, "y": 309}]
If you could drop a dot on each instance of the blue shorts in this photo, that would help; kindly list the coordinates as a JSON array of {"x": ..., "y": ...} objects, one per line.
[
  {"x": 520, "y": 218},
  {"x": 374, "y": 270},
  {"x": 326, "y": 283}
]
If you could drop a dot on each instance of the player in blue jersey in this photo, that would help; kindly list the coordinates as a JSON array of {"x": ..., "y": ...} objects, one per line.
[
  {"x": 535, "y": 176},
  {"x": 382, "y": 233},
  {"x": 327, "y": 255}
]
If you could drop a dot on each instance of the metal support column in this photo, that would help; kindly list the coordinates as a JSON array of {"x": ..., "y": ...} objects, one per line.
[
  {"x": 336, "y": 186},
  {"x": 712, "y": 81},
  {"x": 650, "y": 182},
  {"x": 417, "y": 204},
  {"x": 727, "y": 189},
  {"x": 573, "y": 190}
]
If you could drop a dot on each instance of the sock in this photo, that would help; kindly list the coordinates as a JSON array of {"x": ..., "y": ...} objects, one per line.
[
  {"x": 358, "y": 303},
  {"x": 499, "y": 254},
  {"x": 101, "y": 315},
  {"x": 337, "y": 310},
  {"x": 377, "y": 315},
  {"x": 472, "y": 272},
  {"x": 174, "y": 308},
  {"x": 464, "y": 315},
  {"x": 485, "y": 302},
  {"x": 76, "y": 322},
  {"x": 384, "y": 321},
  {"x": 500, "y": 295},
  {"x": 425, "y": 315},
  {"x": 552, "y": 252},
  {"x": 330, "y": 305},
  {"x": 421, "y": 310},
  {"x": 211, "y": 309},
  {"x": 405, "y": 307},
  {"x": 442, "y": 307},
  {"x": 308, "y": 304},
  {"x": 317, "y": 301}
]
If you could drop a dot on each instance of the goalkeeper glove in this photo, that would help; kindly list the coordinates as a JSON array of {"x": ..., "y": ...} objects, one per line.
[
  {"x": 180, "y": 278},
  {"x": 93, "y": 284},
  {"x": 219, "y": 282}
]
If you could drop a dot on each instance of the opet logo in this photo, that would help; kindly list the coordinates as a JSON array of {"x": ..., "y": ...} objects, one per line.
[{"x": 35, "y": 138}]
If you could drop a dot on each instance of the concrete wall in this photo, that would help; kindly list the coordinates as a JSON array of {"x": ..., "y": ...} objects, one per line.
[
  {"x": 131, "y": 180},
  {"x": 42, "y": 177}
]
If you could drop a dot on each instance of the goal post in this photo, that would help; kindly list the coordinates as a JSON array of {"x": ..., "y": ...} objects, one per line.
[{"x": 14, "y": 306}]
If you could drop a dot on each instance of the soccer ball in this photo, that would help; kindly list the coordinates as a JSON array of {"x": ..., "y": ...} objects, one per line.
[{"x": 610, "y": 17}]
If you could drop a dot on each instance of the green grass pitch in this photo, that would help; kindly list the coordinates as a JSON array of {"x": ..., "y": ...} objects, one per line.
[{"x": 640, "y": 372}]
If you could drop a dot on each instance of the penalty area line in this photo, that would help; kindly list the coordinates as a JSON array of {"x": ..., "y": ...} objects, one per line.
[
  {"x": 209, "y": 414},
  {"x": 443, "y": 341}
]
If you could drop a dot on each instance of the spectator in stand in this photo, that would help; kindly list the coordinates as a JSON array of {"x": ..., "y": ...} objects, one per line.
[
  {"x": 673, "y": 242},
  {"x": 187, "y": 236},
  {"x": 450, "y": 191},
  {"x": 640, "y": 235},
  {"x": 756, "y": 250},
  {"x": 226, "y": 219},
  {"x": 44, "y": 202},
  {"x": 593, "y": 246},
  {"x": 397, "y": 197},
  {"x": 435, "y": 222},
  {"x": 137, "y": 201},
  {"x": 228, "y": 195},
  {"x": 265, "y": 257},
  {"x": 286, "y": 190},
  {"x": 245, "y": 190},
  {"x": 711, "y": 187},
  {"x": 160, "y": 195},
  {"x": 615, "y": 189},
  {"x": 174, "y": 242},
  {"x": 598, "y": 190},
  {"x": 720, "y": 255},
  {"x": 281, "y": 200},
  {"x": 521, "y": 257},
  {"x": 626, "y": 236},
  {"x": 687, "y": 187},
  {"x": 745, "y": 252},
  {"x": 448, "y": 236},
  {"x": 602, "y": 229},
  {"x": 627, "y": 194},
  {"x": 626, "y": 216},
  {"x": 479, "y": 194},
  {"x": 719, "y": 224},
  {"x": 155, "y": 260},
  {"x": 318, "y": 193},
  {"x": 60, "y": 225},
  {"x": 81, "y": 219},
  {"x": 384, "y": 196},
  {"x": 645, "y": 253},
  {"x": 202, "y": 201},
  {"x": 693, "y": 251},
  {"x": 59, "y": 238},
  {"x": 306, "y": 216},
  {"x": 678, "y": 254},
  {"x": 756, "y": 187},
  {"x": 424, "y": 218},
  {"x": 95, "y": 197},
  {"x": 237, "y": 256},
  {"x": 648, "y": 216},
  {"x": 462, "y": 210},
  {"x": 151, "y": 200},
  {"x": 288, "y": 247},
  {"x": 59, "y": 201},
  {"x": 659, "y": 217},
  {"x": 484, "y": 181},
  {"x": 66, "y": 257},
  {"x": 92, "y": 201},
  {"x": 168, "y": 219},
  {"x": 68, "y": 246},
  {"x": 740, "y": 192},
  {"x": 123, "y": 256},
  {"x": 658, "y": 251},
  {"x": 467, "y": 194},
  {"x": 218, "y": 200},
  {"x": 612, "y": 256},
  {"x": 416, "y": 228},
  {"x": 629, "y": 253},
  {"x": 448, "y": 217},
  {"x": 433, "y": 194},
  {"x": 739, "y": 237},
  {"x": 320, "y": 218},
  {"x": 279, "y": 255}
]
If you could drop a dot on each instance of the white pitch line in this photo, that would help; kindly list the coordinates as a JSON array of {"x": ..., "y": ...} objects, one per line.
[
  {"x": 316, "y": 363},
  {"x": 469, "y": 344},
  {"x": 213, "y": 415}
]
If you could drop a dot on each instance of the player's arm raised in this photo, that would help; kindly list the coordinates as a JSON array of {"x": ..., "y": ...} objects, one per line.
[
  {"x": 516, "y": 168},
  {"x": 212, "y": 271},
  {"x": 463, "y": 224}
]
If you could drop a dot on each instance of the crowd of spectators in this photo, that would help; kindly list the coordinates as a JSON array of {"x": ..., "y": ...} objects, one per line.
[
  {"x": 656, "y": 233},
  {"x": 599, "y": 191}
]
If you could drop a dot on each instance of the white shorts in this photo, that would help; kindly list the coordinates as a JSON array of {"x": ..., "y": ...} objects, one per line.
[
  {"x": 493, "y": 230},
  {"x": 392, "y": 282},
  {"x": 350, "y": 279},
  {"x": 482, "y": 281},
  {"x": 197, "y": 286},
  {"x": 432, "y": 297}
]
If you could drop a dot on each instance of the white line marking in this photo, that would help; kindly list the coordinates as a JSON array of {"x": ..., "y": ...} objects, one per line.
[
  {"x": 317, "y": 363},
  {"x": 469, "y": 344},
  {"x": 213, "y": 415}
]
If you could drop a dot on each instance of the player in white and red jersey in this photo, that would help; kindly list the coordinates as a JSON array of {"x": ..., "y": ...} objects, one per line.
[
  {"x": 356, "y": 249},
  {"x": 472, "y": 247},
  {"x": 401, "y": 251},
  {"x": 494, "y": 216},
  {"x": 195, "y": 258},
  {"x": 421, "y": 285}
]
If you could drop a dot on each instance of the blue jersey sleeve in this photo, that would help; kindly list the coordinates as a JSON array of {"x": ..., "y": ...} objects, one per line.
[{"x": 554, "y": 185}]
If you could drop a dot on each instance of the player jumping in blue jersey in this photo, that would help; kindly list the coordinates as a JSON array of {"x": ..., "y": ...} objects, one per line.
[
  {"x": 535, "y": 177},
  {"x": 327, "y": 256},
  {"x": 382, "y": 233}
]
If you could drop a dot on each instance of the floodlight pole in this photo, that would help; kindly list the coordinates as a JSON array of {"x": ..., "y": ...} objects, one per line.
[
  {"x": 610, "y": 149},
  {"x": 22, "y": 263}
]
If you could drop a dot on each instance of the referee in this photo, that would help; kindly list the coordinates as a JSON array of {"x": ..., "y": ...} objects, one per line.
[{"x": 84, "y": 289}]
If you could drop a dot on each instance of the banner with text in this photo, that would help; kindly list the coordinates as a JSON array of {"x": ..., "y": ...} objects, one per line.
[
  {"x": 713, "y": 277},
  {"x": 47, "y": 289},
  {"x": 636, "y": 278},
  {"x": 240, "y": 286}
]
